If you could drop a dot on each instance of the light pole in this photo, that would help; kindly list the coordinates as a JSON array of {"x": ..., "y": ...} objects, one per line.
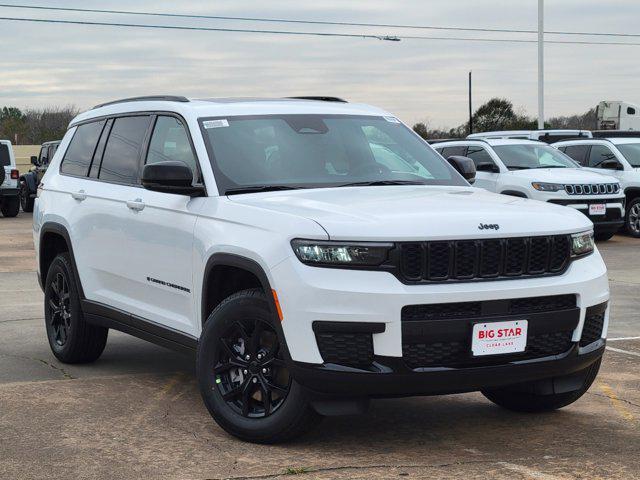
[{"x": 540, "y": 64}]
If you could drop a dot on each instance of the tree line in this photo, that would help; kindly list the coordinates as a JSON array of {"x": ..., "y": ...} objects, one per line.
[
  {"x": 35, "y": 126},
  {"x": 499, "y": 114}
]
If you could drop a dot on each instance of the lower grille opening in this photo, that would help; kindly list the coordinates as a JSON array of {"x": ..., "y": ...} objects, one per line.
[
  {"x": 593, "y": 324},
  {"x": 439, "y": 335},
  {"x": 350, "y": 349}
]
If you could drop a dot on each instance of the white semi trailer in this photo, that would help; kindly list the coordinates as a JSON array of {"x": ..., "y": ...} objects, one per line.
[{"x": 617, "y": 115}]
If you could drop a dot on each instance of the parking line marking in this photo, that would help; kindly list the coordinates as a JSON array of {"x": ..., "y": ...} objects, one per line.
[
  {"x": 622, "y": 338},
  {"x": 528, "y": 472},
  {"x": 619, "y": 350},
  {"x": 615, "y": 401}
]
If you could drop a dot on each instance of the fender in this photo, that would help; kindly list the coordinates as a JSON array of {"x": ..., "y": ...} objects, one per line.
[
  {"x": 514, "y": 193},
  {"x": 52, "y": 227},
  {"x": 232, "y": 260}
]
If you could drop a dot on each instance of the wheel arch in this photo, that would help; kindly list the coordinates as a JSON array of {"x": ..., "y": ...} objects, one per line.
[
  {"x": 514, "y": 193},
  {"x": 225, "y": 262},
  {"x": 55, "y": 239},
  {"x": 631, "y": 192}
]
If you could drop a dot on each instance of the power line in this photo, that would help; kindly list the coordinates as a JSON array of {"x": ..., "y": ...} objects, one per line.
[
  {"x": 314, "y": 22},
  {"x": 393, "y": 38}
]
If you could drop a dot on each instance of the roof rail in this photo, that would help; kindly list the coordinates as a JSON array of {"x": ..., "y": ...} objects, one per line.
[
  {"x": 148, "y": 98},
  {"x": 432, "y": 141},
  {"x": 573, "y": 139},
  {"x": 615, "y": 133},
  {"x": 321, "y": 99}
]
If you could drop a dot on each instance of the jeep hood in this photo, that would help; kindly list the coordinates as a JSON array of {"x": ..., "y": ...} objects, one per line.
[
  {"x": 418, "y": 212},
  {"x": 563, "y": 175}
]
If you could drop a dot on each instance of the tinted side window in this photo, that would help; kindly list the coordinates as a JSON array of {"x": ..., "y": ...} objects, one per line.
[
  {"x": 5, "y": 158},
  {"x": 43, "y": 156},
  {"x": 78, "y": 156},
  {"x": 479, "y": 155},
  {"x": 170, "y": 142},
  {"x": 120, "y": 161},
  {"x": 599, "y": 154},
  {"x": 450, "y": 151},
  {"x": 577, "y": 152}
]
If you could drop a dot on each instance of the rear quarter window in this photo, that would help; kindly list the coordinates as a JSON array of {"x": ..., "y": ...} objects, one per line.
[
  {"x": 78, "y": 156},
  {"x": 5, "y": 156}
]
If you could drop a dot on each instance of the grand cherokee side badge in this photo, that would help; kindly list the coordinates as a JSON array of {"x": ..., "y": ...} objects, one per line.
[{"x": 488, "y": 226}]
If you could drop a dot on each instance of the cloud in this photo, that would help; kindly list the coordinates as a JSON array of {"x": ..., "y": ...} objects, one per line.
[{"x": 47, "y": 64}]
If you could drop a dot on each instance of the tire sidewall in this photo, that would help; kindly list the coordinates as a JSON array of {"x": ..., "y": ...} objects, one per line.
[
  {"x": 633, "y": 202},
  {"x": 62, "y": 264},
  {"x": 255, "y": 429}
]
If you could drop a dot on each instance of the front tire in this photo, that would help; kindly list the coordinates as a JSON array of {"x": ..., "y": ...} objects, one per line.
[
  {"x": 26, "y": 202},
  {"x": 243, "y": 377},
  {"x": 632, "y": 218},
  {"x": 71, "y": 338},
  {"x": 523, "y": 400},
  {"x": 10, "y": 206}
]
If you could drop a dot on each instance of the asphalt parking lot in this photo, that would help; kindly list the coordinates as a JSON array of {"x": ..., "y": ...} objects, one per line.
[{"x": 137, "y": 412}]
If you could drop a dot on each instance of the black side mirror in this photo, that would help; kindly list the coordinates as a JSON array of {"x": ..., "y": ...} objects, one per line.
[
  {"x": 170, "y": 177},
  {"x": 464, "y": 166},
  {"x": 488, "y": 167},
  {"x": 611, "y": 165},
  {"x": 34, "y": 160}
]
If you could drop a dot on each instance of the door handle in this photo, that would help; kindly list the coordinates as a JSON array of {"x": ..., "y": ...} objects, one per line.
[
  {"x": 135, "y": 205},
  {"x": 80, "y": 195}
]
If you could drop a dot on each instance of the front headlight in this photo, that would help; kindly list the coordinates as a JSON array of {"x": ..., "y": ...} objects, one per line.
[
  {"x": 547, "y": 187},
  {"x": 324, "y": 253},
  {"x": 581, "y": 244}
]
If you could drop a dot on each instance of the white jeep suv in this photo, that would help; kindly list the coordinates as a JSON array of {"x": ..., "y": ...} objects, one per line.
[
  {"x": 529, "y": 169},
  {"x": 616, "y": 156},
  {"x": 315, "y": 254}
]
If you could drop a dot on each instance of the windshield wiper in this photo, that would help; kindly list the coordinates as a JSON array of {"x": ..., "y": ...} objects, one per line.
[
  {"x": 517, "y": 167},
  {"x": 381, "y": 182},
  {"x": 553, "y": 166},
  {"x": 259, "y": 188}
]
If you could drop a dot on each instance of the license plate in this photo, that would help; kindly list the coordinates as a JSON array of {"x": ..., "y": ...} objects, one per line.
[
  {"x": 597, "y": 209},
  {"x": 493, "y": 338}
]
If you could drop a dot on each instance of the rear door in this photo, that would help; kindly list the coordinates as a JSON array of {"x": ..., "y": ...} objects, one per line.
[{"x": 153, "y": 262}]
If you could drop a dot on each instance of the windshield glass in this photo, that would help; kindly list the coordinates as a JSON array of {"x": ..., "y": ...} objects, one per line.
[
  {"x": 312, "y": 151},
  {"x": 522, "y": 157},
  {"x": 631, "y": 152}
]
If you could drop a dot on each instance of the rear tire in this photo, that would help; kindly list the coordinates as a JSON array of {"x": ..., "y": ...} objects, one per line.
[
  {"x": 10, "y": 206},
  {"x": 632, "y": 218},
  {"x": 25, "y": 197},
  {"x": 243, "y": 377},
  {"x": 71, "y": 338},
  {"x": 522, "y": 401}
]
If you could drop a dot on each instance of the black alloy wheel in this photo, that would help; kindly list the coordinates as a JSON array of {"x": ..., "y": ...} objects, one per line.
[
  {"x": 59, "y": 309},
  {"x": 250, "y": 376}
]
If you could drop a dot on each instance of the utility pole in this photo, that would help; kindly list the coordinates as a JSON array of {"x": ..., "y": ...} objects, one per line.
[
  {"x": 470, "y": 108},
  {"x": 540, "y": 64}
]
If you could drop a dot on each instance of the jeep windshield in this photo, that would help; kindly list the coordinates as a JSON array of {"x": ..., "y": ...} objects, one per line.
[
  {"x": 279, "y": 152},
  {"x": 524, "y": 157},
  {"x": 631, "y": 152}
]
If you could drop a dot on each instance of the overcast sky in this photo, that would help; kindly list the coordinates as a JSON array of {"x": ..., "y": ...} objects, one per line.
[{"x": 49, "y": 64}]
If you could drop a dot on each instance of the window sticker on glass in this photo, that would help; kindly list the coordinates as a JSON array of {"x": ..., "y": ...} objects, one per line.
[
  {"x": 392, "y": 119},
  {"x": 216, "y": 123}
]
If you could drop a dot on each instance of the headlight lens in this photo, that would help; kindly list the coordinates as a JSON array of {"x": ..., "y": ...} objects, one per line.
[
  {"x": 313, "y": 252},
  {"x": 581, "y": 244},
  {"x": 547, "y": 187}
]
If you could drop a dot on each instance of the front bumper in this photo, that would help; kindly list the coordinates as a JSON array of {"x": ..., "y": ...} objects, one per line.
[
  {"x": 610, "y": 222},
  {"x": 9, "y": 192},
  {"x": 392, "y": 378}
]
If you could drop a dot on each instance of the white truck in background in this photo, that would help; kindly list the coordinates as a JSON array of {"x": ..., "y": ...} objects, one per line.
[{"x": 617, "y": 115}]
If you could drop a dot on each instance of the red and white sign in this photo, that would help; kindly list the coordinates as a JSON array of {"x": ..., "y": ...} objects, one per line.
[
  {"x": 499, "y": 337},
  {"x": 597, "y": 209}
]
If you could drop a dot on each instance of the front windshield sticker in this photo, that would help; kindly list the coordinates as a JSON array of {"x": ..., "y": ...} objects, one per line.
[
  {"x": 216, "y": 123},
  {"x": 392, "y": 119}
]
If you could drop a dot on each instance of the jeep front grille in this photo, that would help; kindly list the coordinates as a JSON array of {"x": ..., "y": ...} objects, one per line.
[
  {"x": 464, "y": 260},
  {"x": 592, "y": 189}
]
